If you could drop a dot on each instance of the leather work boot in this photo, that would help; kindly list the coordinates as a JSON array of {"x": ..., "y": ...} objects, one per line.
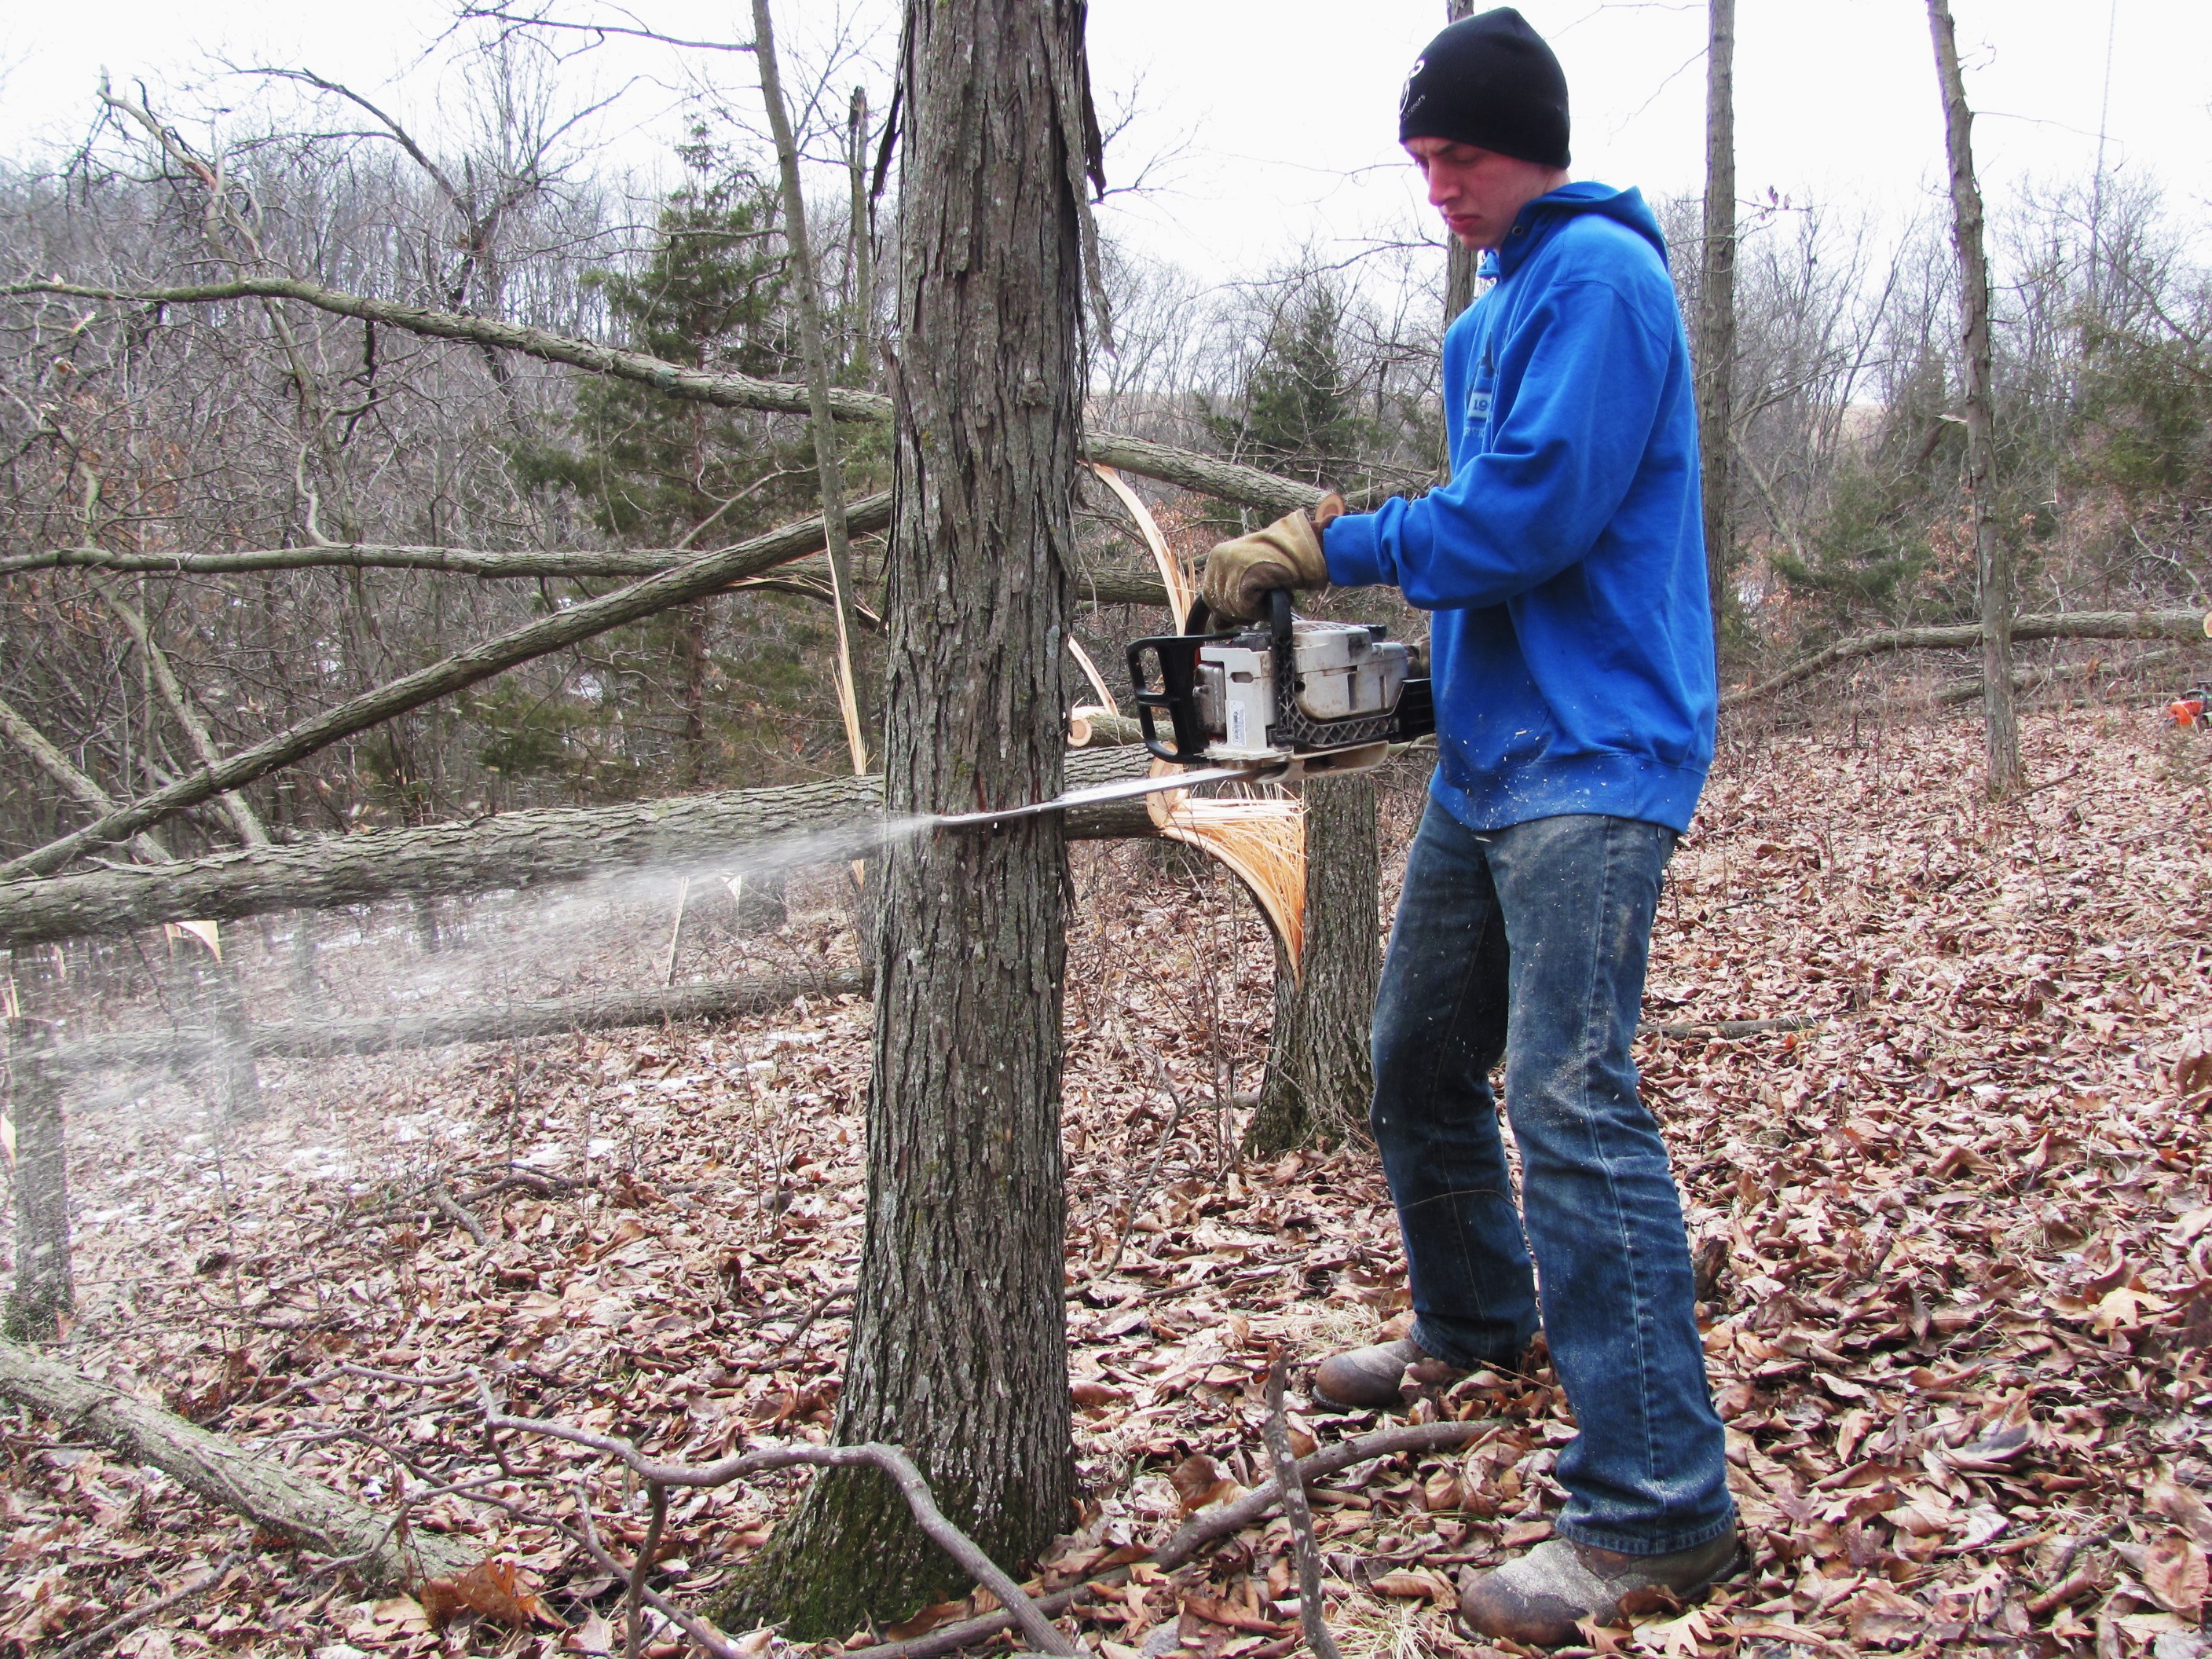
[
  {"x": 1373, "y": 1378},
  {"x": 1542, "y": 1599}
]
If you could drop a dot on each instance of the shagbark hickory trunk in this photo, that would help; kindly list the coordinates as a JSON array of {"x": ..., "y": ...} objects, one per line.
[
  {"x": 1319, "y": 1073},
  {"x": 1992, "y": 559},
  {"x": 959, "y": 1350}
]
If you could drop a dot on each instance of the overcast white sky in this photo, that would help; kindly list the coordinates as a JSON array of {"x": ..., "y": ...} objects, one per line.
[{"x": 1288, "y": 106}]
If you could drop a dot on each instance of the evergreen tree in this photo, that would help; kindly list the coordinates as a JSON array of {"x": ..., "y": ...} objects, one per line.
[{"x": 652, "y": 471}]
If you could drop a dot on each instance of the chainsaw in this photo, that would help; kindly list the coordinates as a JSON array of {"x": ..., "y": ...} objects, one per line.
[
  {"x": 1293, "y": 696},
  {"x": 1275, "y": 702}
]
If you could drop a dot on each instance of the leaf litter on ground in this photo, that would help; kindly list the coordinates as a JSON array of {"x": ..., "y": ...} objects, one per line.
[{"x": 1951, "y": 1237}]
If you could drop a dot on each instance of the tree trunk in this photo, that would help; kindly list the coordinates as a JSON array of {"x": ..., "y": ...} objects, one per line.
[
  {"x": 1319, "y": 1073},
  {"x": 1459, "y": 259},
  {"x": 748, "y": 829},
  {"x": 318, "y": 1039},
  {"x": 1717, "y": 308},
  {"x": 1992, "y": 559},
  {"x": 860, "y": 364},
  {"x": 43, "y": 1290},
  {"x": 815, "y": 352},
  {"x": 280, "y": 1500},
  {"x": 959, "y": 1346}
]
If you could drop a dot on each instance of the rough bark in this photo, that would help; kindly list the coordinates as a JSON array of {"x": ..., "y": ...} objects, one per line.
[
  {"x": 385, "y": 1554},
  {"x": 959, "y": 1348},
  {"x": 316, "y": 1039},
  {"x": 44, "y": 1289},
  {"x": 1716, "y": 308},
  {"x": 693, "y": 834},
  {"x": 1319, "y": 1073},
  {"x": 2075, "y": 625},
  {"x": 480, "y": 662},
  {"x": 1224, "y": 480},
  {"x": 1992, "y": 559}
]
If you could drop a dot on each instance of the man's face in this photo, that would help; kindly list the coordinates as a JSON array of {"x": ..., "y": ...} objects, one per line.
[{"x": 1479, "y": 191}]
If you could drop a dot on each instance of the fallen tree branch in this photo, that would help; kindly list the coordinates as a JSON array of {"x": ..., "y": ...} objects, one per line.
[
  {"x": 1291, "y": 1483},
  {"x": 1218, "y": 1521},
  {"x": 1968, "y": 636},
  {"x": 601, "y": 1012},
  {"x": 133, "y": 1617},
  {"x": 695, "y": 835},
  {"x": 274, "y": 1498},
  {"x": 2035, "y": 679},
  {"x": 481, "y": 661},
  {"x": 887, "y": 1460},
  {"x": 808, "y": 576},
  {"x": 1224, "y": 480}
]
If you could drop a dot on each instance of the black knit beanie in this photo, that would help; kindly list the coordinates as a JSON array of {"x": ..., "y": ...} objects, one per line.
[{"x": 1490, "y": 82}]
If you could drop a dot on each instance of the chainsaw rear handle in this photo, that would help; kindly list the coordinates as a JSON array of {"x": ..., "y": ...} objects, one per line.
[{"x": 1175, "y": 689}]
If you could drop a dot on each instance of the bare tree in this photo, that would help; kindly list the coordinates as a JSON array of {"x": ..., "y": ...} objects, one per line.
[
  {"x": 1992, "y": 559},
  {"x": 1717, "y": 307},
  {"x": 959, "y": 1348}
]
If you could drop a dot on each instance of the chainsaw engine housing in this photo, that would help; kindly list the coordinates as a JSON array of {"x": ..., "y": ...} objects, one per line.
[{"x": 1302, "y": 695}]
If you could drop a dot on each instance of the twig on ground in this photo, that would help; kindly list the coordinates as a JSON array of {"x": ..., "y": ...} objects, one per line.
[
  {"x": 1151, "y": 1173},
  {"x": 137, "y": 1615},
  {"x": 1218, "y": 1521},
  {"x": 829, "y": 1299},
  {"x": 889, "y": 1459},
  {"x": 657, "y": 1495},
  {"x": 1292, "y": 1484},
  {"x": 454, "y": 1210},
  {"x": 711, "y": 1640}
]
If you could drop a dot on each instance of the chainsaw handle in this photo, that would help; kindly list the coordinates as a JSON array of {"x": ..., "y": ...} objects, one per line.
[
  {"x": 1278, "y": 615},
  {"x": 1173, "y": 689}
]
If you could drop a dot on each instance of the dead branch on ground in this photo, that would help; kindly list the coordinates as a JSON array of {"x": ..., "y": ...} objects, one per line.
[
  {"x": 380, "y": 1546},
  {"x": 1968, "y": 636}
]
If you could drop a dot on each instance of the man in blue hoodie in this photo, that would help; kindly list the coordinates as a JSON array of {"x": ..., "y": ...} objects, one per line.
[{"x": 1572, "y": 655}]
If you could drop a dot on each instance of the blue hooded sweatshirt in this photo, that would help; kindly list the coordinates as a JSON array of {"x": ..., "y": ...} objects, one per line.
[{"x": 1572, "y": 645}]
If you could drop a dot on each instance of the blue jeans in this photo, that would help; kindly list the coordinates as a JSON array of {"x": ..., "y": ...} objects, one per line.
[{"x": 1530, "y": 943}]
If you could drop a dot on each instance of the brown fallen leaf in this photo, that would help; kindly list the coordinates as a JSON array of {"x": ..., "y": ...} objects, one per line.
[
  {"x": 1527, "y": 1533},
  {"x": 926, "y": 1620},
  {"x": 2181, "y": 1506},
  {"x": 2176, "y": 1573},
  {"x": 1094, "y": 1395},
  {"x": 1233, "y": 1617},
  {"x": 1198, "y": 1482},
  {"x": 494, "y": 1589},
  {"x": 1412, "y": 1584},
  {"x": 1440, "y": 1492},
  {"x": 1879, "y": 1614}
]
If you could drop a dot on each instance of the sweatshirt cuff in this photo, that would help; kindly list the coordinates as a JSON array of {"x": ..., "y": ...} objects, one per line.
[{"x": 1353, "y": 548}]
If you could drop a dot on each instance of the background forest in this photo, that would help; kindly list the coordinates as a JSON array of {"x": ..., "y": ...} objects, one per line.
[
  {"x": 231, "y": 429},
  {"x": 419, "y": 1148}
]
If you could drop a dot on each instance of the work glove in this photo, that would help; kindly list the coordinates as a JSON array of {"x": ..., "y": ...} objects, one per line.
[{"x": 1241, "y": 572}]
